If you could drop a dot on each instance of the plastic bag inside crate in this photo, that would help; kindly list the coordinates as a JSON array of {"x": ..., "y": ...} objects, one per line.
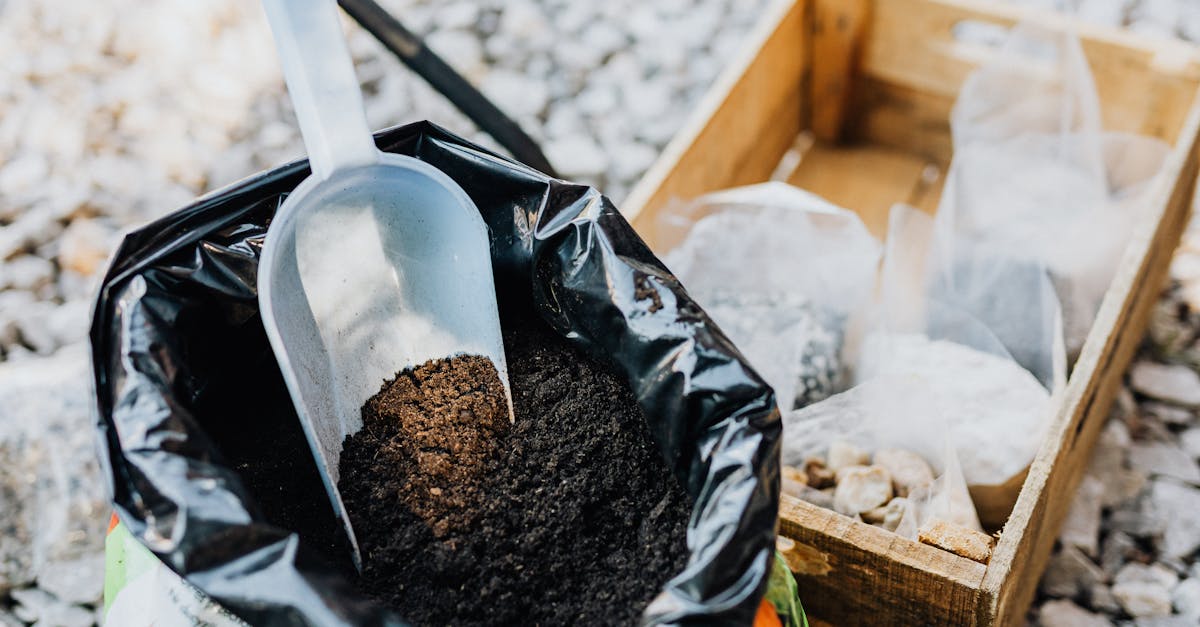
[
  {"x": 1035, "y": 174},
  {"x": 189, "y": 393}
]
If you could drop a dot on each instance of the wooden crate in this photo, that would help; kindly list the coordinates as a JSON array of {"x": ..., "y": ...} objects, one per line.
[{"x": 873, "y": 81}]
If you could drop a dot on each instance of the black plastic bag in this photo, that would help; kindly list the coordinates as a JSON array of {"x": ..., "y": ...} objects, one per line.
[{"x": 189, "y": 393}]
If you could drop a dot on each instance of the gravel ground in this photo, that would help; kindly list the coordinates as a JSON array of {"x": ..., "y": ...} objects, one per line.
[{"x": 116, "y": 112}]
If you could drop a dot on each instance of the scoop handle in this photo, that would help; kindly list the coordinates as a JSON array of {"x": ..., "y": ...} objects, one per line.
[{"x": 320, "y": 78}]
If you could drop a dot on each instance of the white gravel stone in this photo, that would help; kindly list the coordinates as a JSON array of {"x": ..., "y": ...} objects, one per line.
[
  {"x": 1152, "y": 29},
  {"x": 843, "y": 454},
  {"x": 85, "y": 245},
  {"x": 43, "y": 609},
  {"x": 515, "y": 93},
  {"x": 622, "y": 68},
  {"x": 1101, "y": 599},
  {"x": 861, "y": 488},
  {"x": 79, "y": 581},
  {"x": 1176, "y": 506},
  {"x": 573, "y": 17},
  {"x": 33, "y": 327},
  {"x": 1106, "y": 12},
  {"x": 1163, "y": 621},
  {"x": 1189, "y": 24},
  {"x": 1138, "y": 519},
  {"x": 10, "y": 333},
  {"x": 646, "y": 101},
  {"x": 1145, "y": 590},
  {"x": 1151, "y": 429},
  {"x": 523, "y": 19},
  {"x": 564, "y": 122},
  {"x": 1153, "y": 573},
  {"x": 26, "y": 272},
  {"x": 32, "y": 603},
  {"x": 1126, "y": 484},
  {"x": 909, "y": 471},
  {"x": 1110, "y": 454},
  {"x": 1070, "y": 573},
  {"x": 820, "y": 498},
  {"x": 1172, "y": 383},
  {"x": 463, "y": 14},
  {"x": 500, "y": 46},
  {"x": 605, "y": 37},
  {"x": 34, "y": 227},
  {"x": 461, "y": 50},
  {"x": 629, "y": 160},
  {"x": 75, "y": 286},
  {"x": 1063, "y": 613},
  {"x": 68, "y": 323},
  {"x": 597, "y": 100},
  {"x": 1165, "y": 12},
  {"x": 1081, "y": 528},
  {"x": 890, "y": 515},
  {"x": 1190, "y": 441},
  {"x": 1167, "y": 460},
  {"x": 8, "y": 619},
  {"x": 577, "y": 59},
  {"x": 1186, "y": 599},
  {"x": 1124, "y": 406},
  {"x": 64, "y": 615},
  {"x": 577, "y": 156},
  {"x": 644, "y": 22},
  {"x": 1177, "y": 565},
  {"x": 23, "y": 174},
  {"x": 658, "y": 131},
  {"x": 1171, "y": 414}
]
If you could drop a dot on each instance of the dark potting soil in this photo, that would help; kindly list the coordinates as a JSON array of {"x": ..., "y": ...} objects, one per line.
[
  {"x": 569, "y": 516},
  {"x": 248, "y": 415}
]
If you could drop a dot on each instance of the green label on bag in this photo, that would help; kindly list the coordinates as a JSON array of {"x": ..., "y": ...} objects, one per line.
[
  {"x": 140, "y": 591},
  {"x": 124, "y": 560},
  {"x": 784, "y": 595}
]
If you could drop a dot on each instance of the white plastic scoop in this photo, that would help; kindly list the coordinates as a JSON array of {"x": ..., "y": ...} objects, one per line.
[{"x": 375, "y": 263}]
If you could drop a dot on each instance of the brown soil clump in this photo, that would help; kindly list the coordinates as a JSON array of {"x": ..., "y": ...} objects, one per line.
[{"x": 440, "y": 423}]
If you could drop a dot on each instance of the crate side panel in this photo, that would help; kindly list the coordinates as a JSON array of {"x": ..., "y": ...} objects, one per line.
[
  {"x": 1029, "y": 536},
  {"x": 851, "y": 573},
  {"x": 912, "y": 69}
]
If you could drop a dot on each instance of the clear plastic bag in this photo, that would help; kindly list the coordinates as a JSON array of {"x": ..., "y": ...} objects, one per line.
[
  {"x": 1035, "y": 176},
  {"x": 987, "y": 327},
  {"x": 780, "y": 270},
  {"x": 978, "y": 308},
  {"x": 889, "y": 413},
  {"x": 962, "y": 354}
]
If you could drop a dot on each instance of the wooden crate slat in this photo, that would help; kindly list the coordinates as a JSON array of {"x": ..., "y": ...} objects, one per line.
[
  {"x": 1029, "y": 535},
  {"x": 875, "y": 577},
  {"x": 838, "y": 27},
  {"x": 870, "y": 178},
  {"x": 911, "y": 43}
]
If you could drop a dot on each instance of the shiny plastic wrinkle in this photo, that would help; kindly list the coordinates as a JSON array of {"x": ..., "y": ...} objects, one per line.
[{"x": 181, "y": 361}]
